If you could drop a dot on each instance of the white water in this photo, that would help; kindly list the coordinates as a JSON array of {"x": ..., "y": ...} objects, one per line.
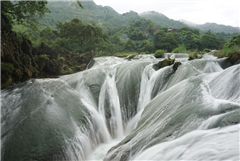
[
  {"x": 215, "y": 144},
  {"x": 99, "y": 153},
  {"x": 109, "y": 89},
  {"x": 79, "y": 116}
]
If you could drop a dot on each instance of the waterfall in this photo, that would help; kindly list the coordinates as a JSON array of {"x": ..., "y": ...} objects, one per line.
[
  {"x": 126, "y": 110},
  {"x": 111, "y": 109}
]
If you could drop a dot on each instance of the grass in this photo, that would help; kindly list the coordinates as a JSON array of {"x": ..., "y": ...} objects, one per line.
[
  {"x": 180, "y": 49},
  {"x": 159, "y": 53},
  {"x": 193, "y": 53},
  {"x": 227, "y": 52}
]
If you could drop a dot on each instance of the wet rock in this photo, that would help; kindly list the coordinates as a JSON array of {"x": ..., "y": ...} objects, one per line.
[
  {"x": 235, "y": 58},
  {"x": 166, "y": 62},
  {"x": 176, "y": 65}
]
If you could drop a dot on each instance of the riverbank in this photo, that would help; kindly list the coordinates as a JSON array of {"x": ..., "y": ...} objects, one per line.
[{"x": 21, "y": 61}]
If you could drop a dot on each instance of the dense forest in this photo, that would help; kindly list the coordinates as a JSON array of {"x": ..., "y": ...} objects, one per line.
[{"x": 72, "y": 33}]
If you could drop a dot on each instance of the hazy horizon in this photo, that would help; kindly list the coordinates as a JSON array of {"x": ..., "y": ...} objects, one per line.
[{"x": 195, "y": 11}]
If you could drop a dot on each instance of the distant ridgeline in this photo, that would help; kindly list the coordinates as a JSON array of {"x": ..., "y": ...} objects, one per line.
[
  {"x": 108, "y": 19},
  {"x": 105, "y": 17}
]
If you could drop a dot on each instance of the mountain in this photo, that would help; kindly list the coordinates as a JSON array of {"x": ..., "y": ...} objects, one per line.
[
  {"x": 110, "y": 20},
  {"x": 218, "y": 28},
  {"x": 164, "y": 21},
  {"x": 104, "y": 16},
  {"x": 212, "y": 26},
  {"x": 161, "y": 19}
]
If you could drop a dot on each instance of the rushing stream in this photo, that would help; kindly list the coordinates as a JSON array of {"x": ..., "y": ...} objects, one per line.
[{"x": 126, "y": 110}]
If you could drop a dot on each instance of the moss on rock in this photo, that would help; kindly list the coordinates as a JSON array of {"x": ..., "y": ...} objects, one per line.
[
  {"x": 165, "y": 62},
  {"x": 235, "y": 58}
]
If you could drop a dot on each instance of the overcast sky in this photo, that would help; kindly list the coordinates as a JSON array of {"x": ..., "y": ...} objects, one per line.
[{"x": 225, "y": 12}]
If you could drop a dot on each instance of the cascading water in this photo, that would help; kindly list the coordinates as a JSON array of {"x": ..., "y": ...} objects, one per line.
[
  {"x": 164, "y": 114},
  {"x": 109, "y": 105}
]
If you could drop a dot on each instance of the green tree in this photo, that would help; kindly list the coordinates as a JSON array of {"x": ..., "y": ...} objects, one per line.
[
  {"x": 116, "y": 42},
  {"x": 234, "y": 41},
  {"x": 82, "y": 37},
  {"x": 189, "y": 37},
  {"x": 49, "y": 34},
  {"x": 151, "y": 28},
  {"x": 147, "y": 46},
  {"x": 129, "y": 46},
  {"x": 23, "y": 11},
  {"x": 209, "y": 40},
  {"x": 136, "y": 34},
  {"x": 165, "y": 41}
]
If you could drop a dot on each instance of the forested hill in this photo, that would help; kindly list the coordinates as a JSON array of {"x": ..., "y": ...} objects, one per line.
[
  {"x": 161, "y": 19},
  {"x": 105, "y": 17},
  {"x": 110, "y": 20},
  {"x": 218, "y": 28},
  {"x": 212, "y": 26}
]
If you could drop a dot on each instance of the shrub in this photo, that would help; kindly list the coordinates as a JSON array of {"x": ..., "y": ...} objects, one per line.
[
  {"x": 44, "y": 56},
  {"x": 206, "y": 50},
  {"x": 61, "y": 58},
  {"x": 159, "y": 53},
  {"x": 226, "y": 51},
  {"x": 180, "y": 49}
]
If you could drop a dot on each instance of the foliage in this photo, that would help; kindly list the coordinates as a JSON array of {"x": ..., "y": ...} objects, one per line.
[
  {"x": 44, "y": 56},
  {"x": 49, "y": 34},
  {"x": 227, "y": 51},
  {"x": 129, "y": 46},
  {"x": 75, "y": 35},
  {"x": 7, "y": 68},
  {"x": 166, "y": 41},
  {"x": 147, "y": 47},
  {"x": 23, "y": 11},
  {"x": 234, "y": 41},
  {"x": 193, "y": 53},
  {"x": 105, "y": 17},
  {"x": 159, "y": 53},
  {"x": 83, "y": 37},
  {"x": 209, "y": 40},
  {"x": 165, "y": 62},
  {"x": 206, "y": 50},
  {"x": 189, "y": 37},
  {"x": 180, "y": 49},
  {"x": 61, "y": 58},
  {"x": 231, "y": 47}
]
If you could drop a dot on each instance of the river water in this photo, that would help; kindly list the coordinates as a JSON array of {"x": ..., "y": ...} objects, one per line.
[{"x": 126, "y": 110}]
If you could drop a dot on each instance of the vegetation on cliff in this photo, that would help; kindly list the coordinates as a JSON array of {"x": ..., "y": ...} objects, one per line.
[
  {"x": 231, "y": 49},
  {"x": 21, "y": 61}
]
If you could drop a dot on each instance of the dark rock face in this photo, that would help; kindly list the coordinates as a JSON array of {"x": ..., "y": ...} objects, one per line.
[
  {"x": 17, "y": 61},
  {"x": 176, "y": 65},
  {"x": 20, "y": 61}
]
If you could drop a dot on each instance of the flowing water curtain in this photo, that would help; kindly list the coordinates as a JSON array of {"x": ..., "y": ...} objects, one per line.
[
  {"x": 68, "y": 117},
  {"x": 109, "y": 105},
  {"x": 190, "y": 98}
]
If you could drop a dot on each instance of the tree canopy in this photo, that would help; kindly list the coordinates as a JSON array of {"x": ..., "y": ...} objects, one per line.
[
  {"x": 75, "y": 35},
  {"x": 24, "y": 11}
]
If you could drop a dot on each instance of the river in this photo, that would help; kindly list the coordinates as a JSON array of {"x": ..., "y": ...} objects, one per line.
[{"x": 126, "y": 110}]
